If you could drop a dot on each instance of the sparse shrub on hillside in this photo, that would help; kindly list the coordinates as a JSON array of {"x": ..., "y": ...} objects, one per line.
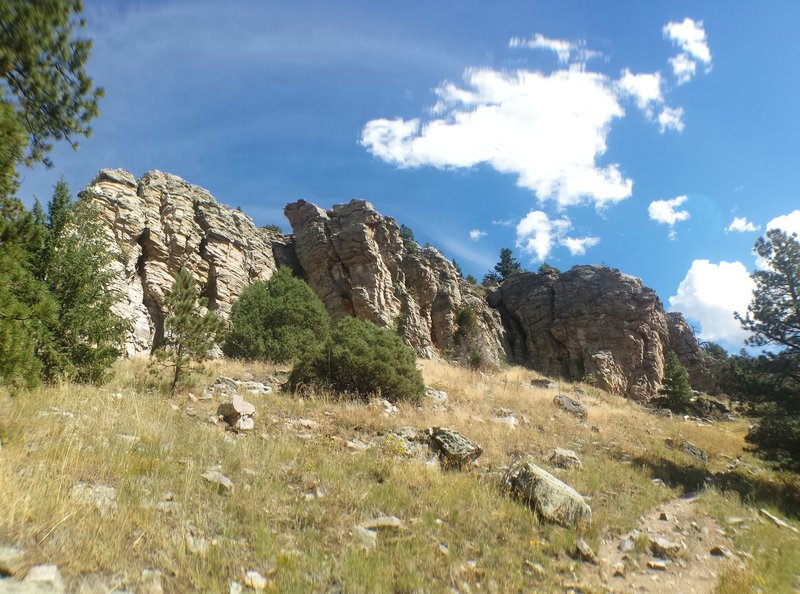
[
  {"x": 362, "y": 359},
  {"x": 190, "y": 333},
  {"x": 278, "y": 320},
  {"x": 273, "y": 227},
  {"x": 407, "y": 235},
  {"x": 676, "y": 391},
  {"x": 466, "y": 344}
]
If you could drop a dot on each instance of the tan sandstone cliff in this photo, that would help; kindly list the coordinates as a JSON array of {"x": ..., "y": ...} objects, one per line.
[
  {"x": 355, "y": 260},
  {"x": 162, "y": 223}
]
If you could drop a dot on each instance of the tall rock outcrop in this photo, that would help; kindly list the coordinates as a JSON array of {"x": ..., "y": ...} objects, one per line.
[
  {"x": 684, "y": 343},
  {"x": 590, "y": 322},
  {"x": 355, "y": 260},
  {"x": 162, "y": 223}
]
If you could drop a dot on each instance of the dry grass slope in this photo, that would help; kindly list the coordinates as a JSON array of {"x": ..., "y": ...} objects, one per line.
[{"x": 300, "y": 490}]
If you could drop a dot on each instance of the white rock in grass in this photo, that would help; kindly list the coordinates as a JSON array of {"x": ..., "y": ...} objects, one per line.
[
  {"x": 366, "y": 537},
  {"x": 150, "y": 582},
  {"x": 46, "y": 575},
  {"x": 254, "y": 580},
  {"x": 216, "y": 477},
  {"x": 103, "y": 497},
  {"x": 552, "y": 499}
]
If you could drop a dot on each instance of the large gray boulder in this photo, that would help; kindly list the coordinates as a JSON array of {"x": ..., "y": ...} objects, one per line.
[{"x": 552, "y": 499}]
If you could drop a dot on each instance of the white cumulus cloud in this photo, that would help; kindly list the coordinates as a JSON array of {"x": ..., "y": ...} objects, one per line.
[
  {"x": 644, "y": 88},
  {"x": 564, "y": 49},
  {"x": 690, "y": 36},
  {"x": 548, "y": 130},
  {"x": 741, "y": 225},
  {"x": 538, "y": 234},
  {"x": 710, "y": 294},
  {"x": 788, "y": 222},
  {"x": 671, "y": 119},
  {"x": 666, "y": 212},
  {"x": 476, "y": 234}
]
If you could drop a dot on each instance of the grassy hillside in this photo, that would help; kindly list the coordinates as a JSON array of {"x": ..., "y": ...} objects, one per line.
[{"x": 106, "y": 483}]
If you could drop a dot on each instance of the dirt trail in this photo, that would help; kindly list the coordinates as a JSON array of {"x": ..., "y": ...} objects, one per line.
[{"x": 675, "y": 548}]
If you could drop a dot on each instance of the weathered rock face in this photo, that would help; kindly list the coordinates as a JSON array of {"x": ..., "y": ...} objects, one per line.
[
  {"x": 683, "y": 342},
  {"x": 355, "y": 260},
  {"x": 162, "y": 223},
  {"x": 591, "y": 321}
]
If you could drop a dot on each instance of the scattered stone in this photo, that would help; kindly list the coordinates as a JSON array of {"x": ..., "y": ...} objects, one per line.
[
  {"x": 536, "y": 569},
  {"x": 544, "y": 383},
  {"x": 552, "y": 499},
  {"x": 238, "y": 413},
  {"x": 389, "y": 409},
  {"x": 578, "y": 391},
  {"x": 627, "y": 545},
  {"x": 46, "y": 575},
  {"x": 454, "y": 450},
  {"x": 384, "y": 523},
  {"x": 10, "y": 558},
  {"x": 689, "y": 448},
  {"x": 366, "y": 537},
  {"x": 574, "y": 407},
  {"x": 720, "y": 552},
  {"x": 254, "y": 580},
  {"x": 357, "y": 445},
  {"x": 308, "y": 423},
  {"x": 566, "y": 459},
  {"x": 656, "y": 564},
  {"x": 661, "y": 547},
  {"x": 663, "y": 517},
  {"x": 216, "y": 477},
  {"x": 585, "y": 551},
  {"x": 778, "y": 521},
  {"x": 438, "y": 396},
  {"x": 618, "y": 570},
  {"x": 443, "y": 549},
  {"x": 236, "y": 588},
  {"x": 506, "y": 417},
  {"x": 150, "y": 582},
  {"x": 103, "y": 497}
]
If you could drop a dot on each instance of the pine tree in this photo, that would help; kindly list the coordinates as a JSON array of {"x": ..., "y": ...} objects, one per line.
[
  {"x": 42, "y": 63},
  {"x": 26, "y": 307},
  {"x": 88, "y": 335},
  {"x": 191, "y": 330},
  {"x": 676, "y": 389}
]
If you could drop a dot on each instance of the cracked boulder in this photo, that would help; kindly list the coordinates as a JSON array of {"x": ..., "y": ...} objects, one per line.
[{"x": 552, "y": 499}]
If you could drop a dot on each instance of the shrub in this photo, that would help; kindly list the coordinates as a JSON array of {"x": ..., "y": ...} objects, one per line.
[
  {"x": 279, "y": 320},
  {"x": 190, "y": 331},
  {"x": 676, "y": 391},
  {"x": 362, "y": 359}
]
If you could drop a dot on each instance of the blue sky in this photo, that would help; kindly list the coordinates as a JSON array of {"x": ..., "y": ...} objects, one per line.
[{"x": 657, "y": 138}]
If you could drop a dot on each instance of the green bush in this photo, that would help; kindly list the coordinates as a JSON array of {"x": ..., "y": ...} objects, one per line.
[
  {"x": 279, "y": 320},
  {"x": 362, "y": 359},
  {"x": 676, "y": 391}
]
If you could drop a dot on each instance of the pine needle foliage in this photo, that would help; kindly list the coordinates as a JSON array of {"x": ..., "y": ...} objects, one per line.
[
  {"x": 363, "y": 360},
  {"x": 191, "y": 330},
  {"x": 279, "y": 320}
]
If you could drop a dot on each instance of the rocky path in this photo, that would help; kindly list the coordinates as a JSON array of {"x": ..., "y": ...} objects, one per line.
[{"x": 675, "y": 548}]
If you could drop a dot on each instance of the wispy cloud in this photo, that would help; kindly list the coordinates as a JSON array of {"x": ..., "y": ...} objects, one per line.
[
  {"x": 690, "y": 36},
  {"x": 538, "y": 234},
  {"x": 666, "y": 212},
  {"x": 741, "y": 225},
  {"x": 476, "y": 234},
  {"x": 565, "y": 50}
]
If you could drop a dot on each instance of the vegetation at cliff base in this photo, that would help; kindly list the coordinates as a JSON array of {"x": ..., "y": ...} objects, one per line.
[
  {"x": 361, "y": 359},
  {"x": 190, "y": 330},
  {"x": 278, "y": 320}
]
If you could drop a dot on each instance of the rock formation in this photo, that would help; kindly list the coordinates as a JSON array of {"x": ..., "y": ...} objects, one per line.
[
  {"x": 683, "y": 342},
  {"x": 590, "y": 322},
  {"x": 162, "y": 223},
  {"x": 356, "y": 261}
]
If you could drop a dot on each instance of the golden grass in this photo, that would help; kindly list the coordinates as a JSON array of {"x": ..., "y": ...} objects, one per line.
[{"x": 300, "y": 492}]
